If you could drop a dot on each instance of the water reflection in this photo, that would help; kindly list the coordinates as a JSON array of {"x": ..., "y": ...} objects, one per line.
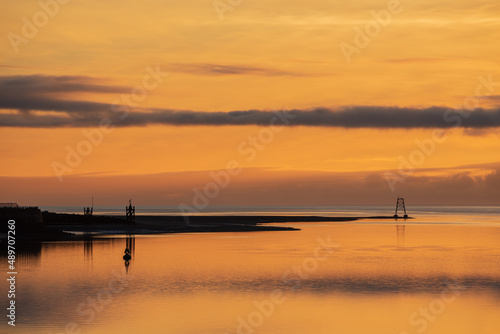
[
  {"x": 130, "y": 243},
  {"x": 27, "y": 253},
  {"x": 88, "y": 248},
  {"x": 400, "y": 230},
  {"x": 217, "y": 278},
  {"x": 129, "y": 250}
]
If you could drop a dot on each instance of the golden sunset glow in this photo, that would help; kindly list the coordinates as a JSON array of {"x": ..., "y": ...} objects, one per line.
[
  {"x": 258, "y": 55},
  {"x": 231, "y": 166}
]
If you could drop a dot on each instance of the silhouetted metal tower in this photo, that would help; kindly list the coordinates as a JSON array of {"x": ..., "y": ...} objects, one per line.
[
  {"x": 400, "y": 205},
  {"x": 130, "y": 210}
]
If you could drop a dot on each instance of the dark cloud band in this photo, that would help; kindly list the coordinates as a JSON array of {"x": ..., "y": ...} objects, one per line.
[
  {"x": 25, "y": 95},
  {"x": 90, "y": 114}
]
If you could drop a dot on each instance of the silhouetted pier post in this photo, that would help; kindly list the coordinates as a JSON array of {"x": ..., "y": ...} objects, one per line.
[{"x": 89, "y": 210}]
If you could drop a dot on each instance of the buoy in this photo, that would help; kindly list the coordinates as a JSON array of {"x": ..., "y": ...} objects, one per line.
[{"x": 127, "y": 256}]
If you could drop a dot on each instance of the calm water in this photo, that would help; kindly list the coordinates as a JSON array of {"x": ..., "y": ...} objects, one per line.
[{"x": 438, "y": 273}]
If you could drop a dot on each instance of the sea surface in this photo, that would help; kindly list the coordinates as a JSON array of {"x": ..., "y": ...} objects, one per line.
[{"x": 436, "y": 273}]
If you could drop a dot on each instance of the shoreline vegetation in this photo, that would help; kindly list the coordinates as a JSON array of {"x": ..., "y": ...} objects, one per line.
[{"x": 33, "y": 224}]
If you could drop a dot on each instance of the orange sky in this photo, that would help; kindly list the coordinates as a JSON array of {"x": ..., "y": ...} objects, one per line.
[{"x": 263, "y": 55}]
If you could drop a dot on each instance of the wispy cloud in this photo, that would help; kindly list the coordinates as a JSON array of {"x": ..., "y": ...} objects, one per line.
[
  {"x": 12, "y": 66},
  {"x": 38, "y": 84},
  {"x": 415, "y": 60},
  {"x": 218, "y": 69},
  {"x": 491, "y": 97}
]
